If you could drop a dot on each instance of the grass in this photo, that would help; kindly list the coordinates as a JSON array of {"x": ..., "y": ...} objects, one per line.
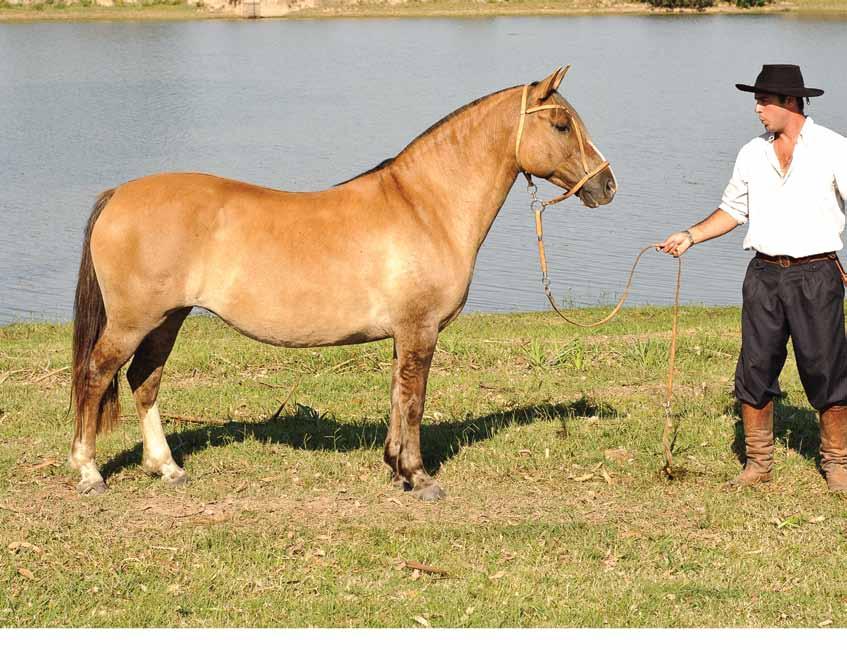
[
  {"x": 178, "y": 10},
  {"x": 88, "y": 10},
  {"x": 820, "y": 5},
  {"x": 547, "y": 440}
]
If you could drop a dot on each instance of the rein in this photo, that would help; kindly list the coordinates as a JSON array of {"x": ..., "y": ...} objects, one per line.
[{"x": 538, "y": 206}]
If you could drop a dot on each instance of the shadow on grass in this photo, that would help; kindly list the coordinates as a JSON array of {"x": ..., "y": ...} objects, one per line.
[
  {"x": 310, "y": 430},
  {"x": 797, "y": 428}
]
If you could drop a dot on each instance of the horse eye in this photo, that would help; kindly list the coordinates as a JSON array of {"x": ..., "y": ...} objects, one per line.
[{"x": 564, "y": 128}]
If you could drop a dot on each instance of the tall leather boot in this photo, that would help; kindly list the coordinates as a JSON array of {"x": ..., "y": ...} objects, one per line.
[
  {"x": 758, "y": 441},
  {"x": 834, "y": 447}
]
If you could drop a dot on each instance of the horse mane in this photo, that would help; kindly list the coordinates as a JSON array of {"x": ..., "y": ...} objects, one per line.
[{"x": 385, "y": 163}]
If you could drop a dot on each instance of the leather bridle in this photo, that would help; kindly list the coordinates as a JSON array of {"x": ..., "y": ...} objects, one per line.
[{"x": 589, "y": 174}]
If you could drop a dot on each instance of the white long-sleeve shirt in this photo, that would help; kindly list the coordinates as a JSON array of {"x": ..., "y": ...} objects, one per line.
[{"x": 800, "y": 213}]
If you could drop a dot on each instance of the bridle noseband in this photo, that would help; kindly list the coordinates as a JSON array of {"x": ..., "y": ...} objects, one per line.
[{"x": 588, "y": 174}]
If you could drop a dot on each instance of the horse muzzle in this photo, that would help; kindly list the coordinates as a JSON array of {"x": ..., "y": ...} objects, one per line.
[{"x": 600, "y": 190}]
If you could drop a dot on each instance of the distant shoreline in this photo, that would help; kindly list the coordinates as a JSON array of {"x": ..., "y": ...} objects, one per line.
[{"x": 408, "y": 9}]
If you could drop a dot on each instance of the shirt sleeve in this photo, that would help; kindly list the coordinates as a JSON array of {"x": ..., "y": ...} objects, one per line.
[
  {"x": 840, "y": 168},
  {"x": 734, "y": 200}
]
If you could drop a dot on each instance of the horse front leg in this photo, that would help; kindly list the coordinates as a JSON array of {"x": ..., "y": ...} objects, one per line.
[
  {"x": 413, "y": 352},
  {"x": 393, "y": 437}
]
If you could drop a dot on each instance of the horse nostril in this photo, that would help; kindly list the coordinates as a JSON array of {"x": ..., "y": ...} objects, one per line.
[{"x": 610, "y": 187}]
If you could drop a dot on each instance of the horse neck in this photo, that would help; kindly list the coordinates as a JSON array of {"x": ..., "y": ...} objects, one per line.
[{"x": 460, "y": 173}]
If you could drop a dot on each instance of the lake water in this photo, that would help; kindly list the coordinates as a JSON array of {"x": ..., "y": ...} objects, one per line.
[{"x": 301, "y": 105}]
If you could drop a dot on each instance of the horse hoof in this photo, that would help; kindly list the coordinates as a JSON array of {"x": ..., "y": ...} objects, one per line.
[
  {"x": 400, "y": 484},
  {"x": 91, "y": 488},
  {"x": 177, "y": 479},
  {"x": 431, "y": 492}
]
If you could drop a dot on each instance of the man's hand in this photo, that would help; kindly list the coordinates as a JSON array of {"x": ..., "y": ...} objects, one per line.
[
  {"x": 716, "y": 224},
  {"x": 676, "y": 244}
]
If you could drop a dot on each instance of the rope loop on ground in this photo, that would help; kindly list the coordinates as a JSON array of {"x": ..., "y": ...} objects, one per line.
[{"x": 667, "y": 443}]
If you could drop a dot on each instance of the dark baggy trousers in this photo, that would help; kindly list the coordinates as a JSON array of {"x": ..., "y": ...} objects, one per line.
[{"x": 804, "y": 302}]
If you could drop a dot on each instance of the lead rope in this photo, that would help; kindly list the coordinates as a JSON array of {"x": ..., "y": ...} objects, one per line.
[{"x": 538, "y": 207}]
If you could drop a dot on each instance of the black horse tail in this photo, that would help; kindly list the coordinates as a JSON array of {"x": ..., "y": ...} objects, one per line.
[{"x": 89, "y": 322}]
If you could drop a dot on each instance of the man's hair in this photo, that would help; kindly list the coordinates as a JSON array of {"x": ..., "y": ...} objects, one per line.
[{"x": 783, "y": 99}]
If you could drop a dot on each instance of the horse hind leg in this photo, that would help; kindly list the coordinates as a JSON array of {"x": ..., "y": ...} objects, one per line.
[
  {"x": 145, "y": 376},
  {"x": 111, "y": 351}
]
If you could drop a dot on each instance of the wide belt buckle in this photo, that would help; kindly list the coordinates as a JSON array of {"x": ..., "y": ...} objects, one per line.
[{"x": 784, "y": 261}]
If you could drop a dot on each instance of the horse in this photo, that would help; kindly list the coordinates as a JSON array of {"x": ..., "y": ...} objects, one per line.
[{"x": 388, "y": 254}]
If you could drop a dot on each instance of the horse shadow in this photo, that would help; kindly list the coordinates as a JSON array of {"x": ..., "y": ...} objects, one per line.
[
  {"x": 797, "y": 428},
  {"x": 307, "y": 429}
]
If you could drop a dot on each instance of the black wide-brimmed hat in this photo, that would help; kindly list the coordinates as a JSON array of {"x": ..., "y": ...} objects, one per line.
[{"x": 781, "y": 79}]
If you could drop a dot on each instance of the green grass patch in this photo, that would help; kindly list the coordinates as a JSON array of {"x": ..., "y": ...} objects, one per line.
[
  {"x": 547, "y": 440},
  {"x": 84, "y": 10},
  {"x": 178, "y": 10}
]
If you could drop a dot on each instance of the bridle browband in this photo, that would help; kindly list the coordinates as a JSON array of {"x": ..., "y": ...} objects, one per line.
[{"x": 589, "y": 174}]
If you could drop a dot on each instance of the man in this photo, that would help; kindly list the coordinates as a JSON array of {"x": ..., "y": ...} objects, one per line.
[{"x": 789, "y": 186}]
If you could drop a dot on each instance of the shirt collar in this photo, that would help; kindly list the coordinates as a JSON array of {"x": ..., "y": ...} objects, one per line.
[
  {"x": 807, "y": 126},
  {"x": 804, "y": 131}
]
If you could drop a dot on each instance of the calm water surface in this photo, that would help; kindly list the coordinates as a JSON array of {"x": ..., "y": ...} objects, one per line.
[{"x": 301, "y": 105}]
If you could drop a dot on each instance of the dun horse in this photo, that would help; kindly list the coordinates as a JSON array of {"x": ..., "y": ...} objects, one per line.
[{"x": 389, "y": 253}]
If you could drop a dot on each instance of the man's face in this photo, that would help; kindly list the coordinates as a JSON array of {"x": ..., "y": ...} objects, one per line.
[{"x": 772, "y": 113}]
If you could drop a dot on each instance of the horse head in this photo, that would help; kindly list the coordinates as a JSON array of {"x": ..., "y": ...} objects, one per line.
[{"x": 553, "y": 143}]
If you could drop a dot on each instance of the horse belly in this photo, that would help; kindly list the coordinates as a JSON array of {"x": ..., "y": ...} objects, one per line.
[{"x": 296, "y": 310}]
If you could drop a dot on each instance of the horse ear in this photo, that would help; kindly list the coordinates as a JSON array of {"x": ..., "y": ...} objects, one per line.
[
  {"x": 551, "y": 83},
  {"x": 562, "y": 72}
]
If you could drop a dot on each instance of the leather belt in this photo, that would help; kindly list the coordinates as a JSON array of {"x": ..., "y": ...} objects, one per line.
[{"x": 786, "y": 260}]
